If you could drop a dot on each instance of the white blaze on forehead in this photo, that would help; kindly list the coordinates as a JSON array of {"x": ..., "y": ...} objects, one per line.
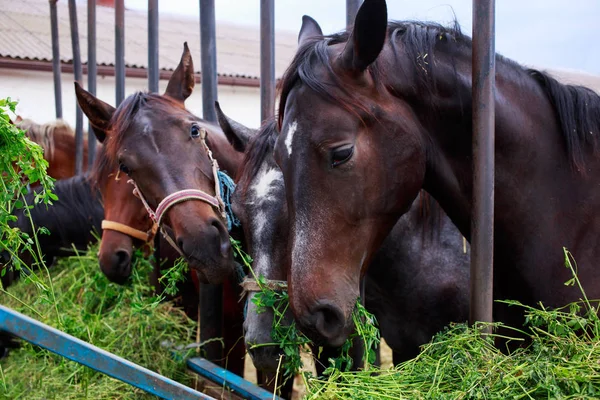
[
  {"x": 290, "y": 136},
  {"x": 265, "y": 182}
]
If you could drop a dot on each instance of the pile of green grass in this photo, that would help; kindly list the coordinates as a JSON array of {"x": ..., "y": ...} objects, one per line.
[
  {"x": 75, "y": 297},
  {"x": 561, "y": 362}
]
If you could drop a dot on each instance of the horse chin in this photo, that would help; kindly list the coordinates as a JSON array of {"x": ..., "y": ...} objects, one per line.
[
  {"x": 212, "y": 272},
  {"x": 265, "y": 358}
]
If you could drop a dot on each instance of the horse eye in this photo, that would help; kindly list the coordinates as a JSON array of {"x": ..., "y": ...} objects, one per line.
[
  {"x": 123, "y": 168},
  {"x": 195, "y": 131},
  {"x": 341, "y": 155}
]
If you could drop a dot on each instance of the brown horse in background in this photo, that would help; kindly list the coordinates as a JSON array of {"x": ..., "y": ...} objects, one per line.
[{"x": 57, "y": 138}]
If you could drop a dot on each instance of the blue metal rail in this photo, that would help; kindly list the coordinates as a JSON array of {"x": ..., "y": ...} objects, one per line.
[
  {"x": 91, "y": 356},
  {"x": 222, "y": 377}
]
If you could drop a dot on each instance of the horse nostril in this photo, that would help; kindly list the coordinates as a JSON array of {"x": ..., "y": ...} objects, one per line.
[
  {"x": 123, "y": 259},
  {"x": 329, "y": 321},
  {"x": 225, "y": 245},
  {"x": 180, "y": 243}
]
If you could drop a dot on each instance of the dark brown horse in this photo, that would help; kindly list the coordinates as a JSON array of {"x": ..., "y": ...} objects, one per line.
[
  {"x": 125, "y": 209},
  {"x": 58, "y": 141},
  {"x": 160, "y": 146},
  {"x": 370, "y": 117},
  {"x": 416, "y": 284}
]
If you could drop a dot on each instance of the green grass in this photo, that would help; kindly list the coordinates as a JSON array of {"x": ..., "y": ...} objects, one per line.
[
  {"x": 562, "y": 362},
  {"x": 125, "y": 320}
]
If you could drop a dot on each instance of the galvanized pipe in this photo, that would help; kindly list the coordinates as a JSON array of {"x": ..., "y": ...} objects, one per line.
[
  {"x": 352, "y": 7},
  {"x": 267, "y": 59},
  {"x": 482, "y": 224},
  {"x": 211, "y": 296},
  {"x": 92, "y": 71},
  {"x": 208, "y": 57},
  {"x": 78, "y": 78},
  {"x": 153, "y": 46},
  {"x": 120, "y": 50},
  {"x": 55, "y": 59}
]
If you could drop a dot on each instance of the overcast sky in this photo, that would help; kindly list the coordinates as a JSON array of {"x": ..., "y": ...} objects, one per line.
[{"x": 541, "y": 33}]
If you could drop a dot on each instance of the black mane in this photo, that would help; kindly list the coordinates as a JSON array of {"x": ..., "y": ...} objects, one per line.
[
  {"x": 70, "y": 219},
  {"x": 577, "y": 108}
]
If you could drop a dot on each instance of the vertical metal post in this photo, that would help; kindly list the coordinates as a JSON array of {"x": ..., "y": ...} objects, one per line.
[
  {"x": 208, "y": 57},
  {"x": 153, "y": 46},
  {"x": 482, "y": 224},
  {"x": 352, "y": 7},
  {"x": 211, "y": 296},
  {"x": 120, "y": 50},
  {"x": 267, "y": 59},
  {"x": 55, "y": 59},
  {"x": 92, "y": 72},
  {"x": 78, "y": 77}
]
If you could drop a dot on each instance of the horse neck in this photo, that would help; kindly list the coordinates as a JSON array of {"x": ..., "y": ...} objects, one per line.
[{"x": 528, "y": 142}]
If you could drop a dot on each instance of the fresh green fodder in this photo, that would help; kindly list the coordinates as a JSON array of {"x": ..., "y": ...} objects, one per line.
[
  {"x": 293, "y": 342},
  {"x": 125, "y": 320},
  {"x": 561, "y": 362}
]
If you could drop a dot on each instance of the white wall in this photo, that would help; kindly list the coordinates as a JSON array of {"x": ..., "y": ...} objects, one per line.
[{"x": 35, "y": 92}]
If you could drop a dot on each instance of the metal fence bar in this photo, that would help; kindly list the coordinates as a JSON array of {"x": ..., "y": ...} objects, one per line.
[
  {"x": 482, "y": 224},
  {"x": 55, "y": 59},
  {"x": 153, "y": 46},
  {"x": 120, "y": 50},
  {"x": 352, "y": 7},
  {"x": 208, "y": 57},
  {"x": 91, "y": 356},
  {"x": 267, "y": 59},
  {"x": 77, "y": 72},
  {"x": 92, "y": 71},
  {"x": 211, "y": 296},
  {"x": 222, "y": 377}
]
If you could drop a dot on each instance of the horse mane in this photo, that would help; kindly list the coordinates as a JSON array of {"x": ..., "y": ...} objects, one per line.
[
  {"x": 76, "y": 211},
  {"x": 258, "y": 149},
  {"x": 577, "y": 108},
  {"x": 43, "y": 134},
  {"x": 578, "y": 112}
]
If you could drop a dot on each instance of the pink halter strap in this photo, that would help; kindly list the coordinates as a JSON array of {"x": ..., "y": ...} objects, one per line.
[{"x": 185, "y": 195}]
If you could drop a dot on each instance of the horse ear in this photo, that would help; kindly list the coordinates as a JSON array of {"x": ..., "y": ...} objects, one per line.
[
  {"x": 98, "y": 112},
  {"x": 182, "y": 81},
  {"x": 310, "y": 29},
  {"x": 368, "y": 36},
  {"x": 237, "y": 134}
]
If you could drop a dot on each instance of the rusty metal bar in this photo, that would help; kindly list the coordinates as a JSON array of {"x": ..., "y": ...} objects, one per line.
[
  {"x": 92, "y": 72},
  {"x": 208, "y": 58},
  {"x": 482, "y": 223},
  {"x": 267, "y": 59},
  {"x": 211, "y": 296},
  {"x": 153, "y": 46},
  {"x": 120, "y": 50},
  {"x": 352, "y": 7},
  {"x": 55, "y": 59},
  {"x": 78, "y": 77}
]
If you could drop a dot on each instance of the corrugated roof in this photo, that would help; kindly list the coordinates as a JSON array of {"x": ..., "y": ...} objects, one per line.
[{"x": 25, "y": 33}]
